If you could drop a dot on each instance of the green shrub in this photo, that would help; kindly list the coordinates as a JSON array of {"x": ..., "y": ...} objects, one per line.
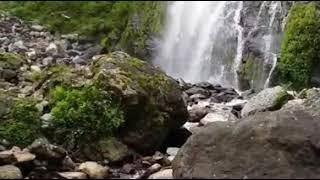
[
  {"x": 82, "y": 115},
  {"x": 301, "y": 45},
  {"x": 23, "y": 125}
]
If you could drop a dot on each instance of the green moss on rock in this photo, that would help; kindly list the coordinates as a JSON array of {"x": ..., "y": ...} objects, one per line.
[
  {"x": 10, "y": 61},
  {"x": 61, "y": 75},
  {"x": 111, "y": 149},
  {"x": 150, "y": 99},
  {"x": 21, "y": 125},
  {"x": 250, "y": 72}
]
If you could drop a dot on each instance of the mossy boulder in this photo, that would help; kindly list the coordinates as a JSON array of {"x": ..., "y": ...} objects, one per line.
[
  {"x": 10, "y": 61},
  {"x": 269, "y": 99},
  {"x": 110, "y": 149},
  {"x": 57, "y": 75},
  {"x": 9, "y": 66},
  {"x": 151, "y": 100}
]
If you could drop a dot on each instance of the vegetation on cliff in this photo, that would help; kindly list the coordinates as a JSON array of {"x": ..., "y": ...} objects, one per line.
[{"x": 301, "y": 45}]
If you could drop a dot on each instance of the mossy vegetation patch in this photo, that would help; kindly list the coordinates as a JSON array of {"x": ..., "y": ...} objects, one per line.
[
  {"x": 301, "y": 45},
  {"x": 83, "y": 114},
  {"x": 10, "y": 61},
  {"x": 133, "y": 72},
  {"x": 251, "y": 71},
  {"x": 22, "y": 125}
]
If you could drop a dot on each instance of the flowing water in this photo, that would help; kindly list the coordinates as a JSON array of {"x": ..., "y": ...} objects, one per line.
[{"x": 205, "y": 40}]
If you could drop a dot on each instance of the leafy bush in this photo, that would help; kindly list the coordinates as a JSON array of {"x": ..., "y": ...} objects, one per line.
[
  {"x": 301, "y": 45},
  {"x": 83, "y": 115},
  {"x": 23, "y": 125}
]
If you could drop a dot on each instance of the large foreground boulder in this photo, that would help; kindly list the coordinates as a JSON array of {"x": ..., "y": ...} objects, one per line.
[
  {"x": 151, "y": 100},
  {"x": 279, "y": 144}
]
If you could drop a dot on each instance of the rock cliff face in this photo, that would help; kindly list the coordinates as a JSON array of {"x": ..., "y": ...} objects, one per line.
[{"x": 263, "y": 26}]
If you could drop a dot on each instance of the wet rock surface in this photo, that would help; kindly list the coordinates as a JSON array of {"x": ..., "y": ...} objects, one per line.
[{"x": 270, "y": 144}]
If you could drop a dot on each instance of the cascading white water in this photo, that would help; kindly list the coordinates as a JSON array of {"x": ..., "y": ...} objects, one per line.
[
  {"x": 271, "y": 57},
  {"x": 193, "y": 30},
  {"x": 274, "y": 63},
  {"x": 204, "y": 41},
  {"x": 240, "y": 43}
]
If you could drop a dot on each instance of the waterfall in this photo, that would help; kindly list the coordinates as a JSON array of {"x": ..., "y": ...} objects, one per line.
[
  {"x": 271, "y": 57},
  {"x": 240, "y": 43},
  {"x": 207, "y": 40},
  {"x": 190, "y": 48},
  {"x": 274, "y": 63}
]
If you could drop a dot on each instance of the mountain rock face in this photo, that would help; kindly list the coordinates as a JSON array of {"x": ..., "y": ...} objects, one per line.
[{"x": 263, "y": 25}]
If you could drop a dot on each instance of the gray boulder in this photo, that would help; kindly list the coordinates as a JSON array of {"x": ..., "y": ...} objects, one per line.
[
  {"x": 267, "y": 100},
  {"x": 46, "y": 151},
  {"x": 196, "y": 114}
]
